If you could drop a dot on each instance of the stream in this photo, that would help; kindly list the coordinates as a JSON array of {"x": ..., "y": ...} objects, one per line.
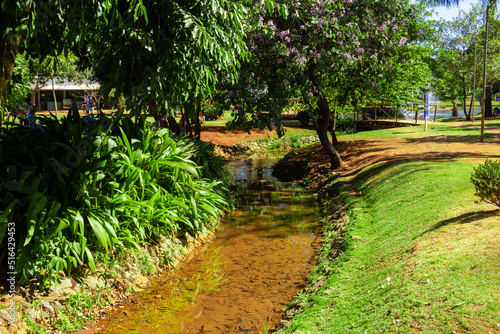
[{"x": 243, "y": 279}]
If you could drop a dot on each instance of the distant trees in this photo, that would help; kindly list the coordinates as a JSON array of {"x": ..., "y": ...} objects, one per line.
[{"x": 453, "y": 57}]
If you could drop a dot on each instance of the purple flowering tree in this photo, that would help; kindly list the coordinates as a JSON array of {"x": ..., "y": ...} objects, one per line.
[{"x": 326, "y": 52}]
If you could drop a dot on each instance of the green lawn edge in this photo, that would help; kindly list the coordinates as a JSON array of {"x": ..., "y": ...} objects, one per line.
[{"x": 415, "y": 260}]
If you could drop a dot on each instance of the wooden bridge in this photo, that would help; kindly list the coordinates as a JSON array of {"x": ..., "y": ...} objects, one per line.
[
  {"x": 369, "y": 125},
  {"x": 366, "y": 119}
]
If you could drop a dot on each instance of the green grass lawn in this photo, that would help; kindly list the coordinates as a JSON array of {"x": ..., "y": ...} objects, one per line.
[{"x": 422, "y": 255}]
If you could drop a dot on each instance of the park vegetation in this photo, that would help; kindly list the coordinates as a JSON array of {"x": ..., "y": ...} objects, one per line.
[
  {"x": 82, "y": 190},
  {"x": 82, "y": 193}
]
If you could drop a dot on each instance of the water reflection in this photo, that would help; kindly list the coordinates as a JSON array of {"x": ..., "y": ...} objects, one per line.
[{"x": 238, "y": 282}]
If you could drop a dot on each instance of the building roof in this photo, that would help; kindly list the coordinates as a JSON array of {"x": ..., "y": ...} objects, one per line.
[{"x": 69, "y": 85}]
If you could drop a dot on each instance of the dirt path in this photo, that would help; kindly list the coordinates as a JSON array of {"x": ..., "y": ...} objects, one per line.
[
  {"x": 219, "y": 135},
  {"x": 358, "y": 153}
]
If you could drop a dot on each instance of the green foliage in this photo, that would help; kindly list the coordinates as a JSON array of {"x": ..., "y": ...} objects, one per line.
[
  {"x": 211, "y": 112},
  {"x": 19, "y": 87},
  {"x": 303, "y": 117},
  {"x": 345, "y": 125},
  {"x": 486, "y": 180},
  {"x": 78, "y": 310},
  {"x": 172, "y": 50},
  {"x": 315, "y": 52},
  {"x": 80, "y": 193}
]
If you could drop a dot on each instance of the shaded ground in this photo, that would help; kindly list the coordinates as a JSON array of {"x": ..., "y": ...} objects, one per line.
[
  {"x": 219, "y": 135},
  {"x": 358, "y": 153}
]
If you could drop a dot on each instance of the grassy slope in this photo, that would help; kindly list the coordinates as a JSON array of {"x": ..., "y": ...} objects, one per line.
[{"x": 422, "y": 256}]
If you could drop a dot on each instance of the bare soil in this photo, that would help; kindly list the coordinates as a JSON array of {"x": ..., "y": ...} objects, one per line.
[{"x": 359, "y": 153}]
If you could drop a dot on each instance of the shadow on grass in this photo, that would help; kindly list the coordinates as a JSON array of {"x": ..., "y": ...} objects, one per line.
[
  {"x": 388, "y": 162},
  {"x": 466, "y": 218},
  {"x": 469, "y": 138}
]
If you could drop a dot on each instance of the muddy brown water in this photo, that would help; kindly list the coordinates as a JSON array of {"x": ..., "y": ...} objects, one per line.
[{"x": 241, "y": 281}]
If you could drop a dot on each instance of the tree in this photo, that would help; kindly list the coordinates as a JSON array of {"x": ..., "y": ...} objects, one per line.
[
  {"x": 173, "y": 54},
  {"x": 453, "y": 59},
  {"x": 158, "y": 54},
  {"x": 51, "y": 70},
  {"x": 327, "y": 53},
  {"x": 13, "y": 25},
  {"x": 19, "y": 86},
  {"x": 489, "y": 4},
  {"x": 45, "y": 27}
]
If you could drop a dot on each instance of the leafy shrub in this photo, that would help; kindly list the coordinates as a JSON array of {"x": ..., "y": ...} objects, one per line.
[
  {"x": 303, "y": 117},
  {"x": 78, "y": 194},
  {"x": 345, "y": 125},
  {"x": 486, "y": 180},
  {"x": 211, "y": 112}
]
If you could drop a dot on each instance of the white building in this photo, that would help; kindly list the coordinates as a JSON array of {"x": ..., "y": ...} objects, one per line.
[{"x": 66, "y": 92}]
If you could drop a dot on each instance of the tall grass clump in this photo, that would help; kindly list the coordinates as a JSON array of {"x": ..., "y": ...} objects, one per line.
[{"x": 87, "y": 189}]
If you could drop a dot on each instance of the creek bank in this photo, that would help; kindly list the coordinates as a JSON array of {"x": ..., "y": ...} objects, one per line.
[
  {"x": 315, "y": 175},
  {"x": 260, "y": 147},
  {"x": 38, "y": 311}
]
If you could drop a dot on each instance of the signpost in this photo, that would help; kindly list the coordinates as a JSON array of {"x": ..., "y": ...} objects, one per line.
[{"x": 426, "y": 110}]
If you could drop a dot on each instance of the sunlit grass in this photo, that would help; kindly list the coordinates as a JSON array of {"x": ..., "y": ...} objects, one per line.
[{"x": 422, "y": 256}]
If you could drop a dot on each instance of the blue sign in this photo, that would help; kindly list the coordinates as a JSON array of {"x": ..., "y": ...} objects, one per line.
[{"x": 426, "y": 103}]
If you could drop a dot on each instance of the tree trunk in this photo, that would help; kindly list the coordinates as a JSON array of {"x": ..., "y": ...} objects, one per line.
[
  {"x": 35, "y": 90},
  {"x": 332, "y": 127},
  {"x": 154, "y": 112},
  {"x": 54, "y": 94},
  {"x": 197, "y": 125},
  {"x": 488, "y": 110},
  {"x": 173, "y": 125},
  {"x": 467, "y": 116},
  {"x": 187, "y": 106},
  {"x": 323, "y": 121},
  {"x": 322, "y": 131},
  {"x": 454, "y": 110}
]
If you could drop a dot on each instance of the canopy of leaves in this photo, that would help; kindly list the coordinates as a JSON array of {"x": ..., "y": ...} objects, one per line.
[
  {"x": 166, "y": 51},
  {"x": 335, "y": 49}
]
